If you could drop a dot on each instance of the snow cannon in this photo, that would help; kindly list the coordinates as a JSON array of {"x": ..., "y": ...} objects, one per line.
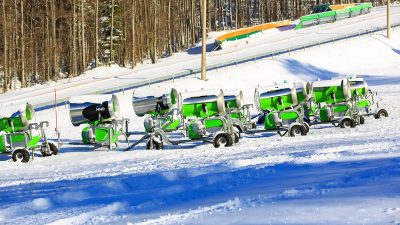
[
  {"x": 202, "y": 118},
  {"x": 238, "y": 111},
  {"x": 156, "y": 105},
  {"x": 19, "y": 120},
  {"x": 333, "y": 103},
  {"x": 161, "y": 112},
  {"x": 275, "y": 97},
  {"x": 331, "y": 91},
  {"x": 101, "y": 116},
  {"x": 21, "y": 135},
  {"x": 205, "y": 115},
  {"x": 365, "y": 99},
  {"x": 304, "y": 91},
  {"x": 280, "y": 109},
  {"x": 90, "y": 109},
  {"x": 233, "y": 99},
  {"x": 203, "y": 104}
]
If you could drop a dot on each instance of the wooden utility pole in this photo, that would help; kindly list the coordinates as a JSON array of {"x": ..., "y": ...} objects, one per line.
[
  {"x": 5, "y": 77},
  {"x": 389, "y": 34},
  {"x": 203, "y": 39},
  {"x": 97, "y": 34}
]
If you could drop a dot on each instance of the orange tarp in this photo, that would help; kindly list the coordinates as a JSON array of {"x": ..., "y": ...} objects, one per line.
[
  {"x": 343, "y": 6},
  {"x": 260, "y": 27}
]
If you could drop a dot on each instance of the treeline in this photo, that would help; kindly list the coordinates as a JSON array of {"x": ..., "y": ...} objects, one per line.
[{"x": 44, "y": 40}]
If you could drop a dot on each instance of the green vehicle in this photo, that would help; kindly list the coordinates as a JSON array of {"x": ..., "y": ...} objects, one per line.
[
  {"x": 366, "y": 100},
  {"x": 21, "y": 135},
  {"x": 204, "y": 118},
  {"x": 100, "y": 115},
  {"x": 333, "y": 103},
  {"x": 281, "y": 107}
]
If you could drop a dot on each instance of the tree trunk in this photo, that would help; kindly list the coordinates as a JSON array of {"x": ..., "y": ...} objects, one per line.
[
  {"x": 5, "y": 65},
  {"x": 97, "y": 34},
  {"x": 83, "y": 35},
  {"x": 112, "y": 32}
]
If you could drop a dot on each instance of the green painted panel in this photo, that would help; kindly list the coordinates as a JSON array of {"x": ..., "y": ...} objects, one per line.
[
  {"x": 323, "y": 114},
  {"x": 272, "y": 103},
  {"x": 200, "y": 110},
  {"x": 2, "y": 144},
  {"x": 289, "y": 116},
  {"x": 340, "y": 108},
  {"x": 364, "y": 103},
  {"x": 210, "y": 123},
  {"x": 171, "y": 125},
  {"x": 324, "y": 94},
  {"x": 269, "y": 123},
  {"x": 193, "y": 134}
]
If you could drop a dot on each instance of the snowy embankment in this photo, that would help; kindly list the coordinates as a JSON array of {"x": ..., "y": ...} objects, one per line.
[{"x": 331, "y": 176}]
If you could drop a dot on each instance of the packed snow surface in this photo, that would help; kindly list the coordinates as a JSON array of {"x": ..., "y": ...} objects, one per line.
[{"x": 330, "y": 176}]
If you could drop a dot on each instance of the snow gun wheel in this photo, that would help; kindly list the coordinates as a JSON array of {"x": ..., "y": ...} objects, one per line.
[
  {"x": 362, "y": 120},
  {"x": 307, "y": 127},
  {"x": 236, "y": 137},
  {"x": 155, "y": 143},
  {"x": 381, "y": 113},
  {"x": 347, "y": 123},
  {"x": 21, "y": 155},
  {"x": 297, "y": 130},
  {"x": 49, "y": 149},
  {"x": 223, "y": 139}
]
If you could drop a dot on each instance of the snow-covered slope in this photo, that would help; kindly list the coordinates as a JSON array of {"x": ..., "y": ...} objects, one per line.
[
  {"x": 331, "y": 176},
  {"x": 95, "y": 81}
]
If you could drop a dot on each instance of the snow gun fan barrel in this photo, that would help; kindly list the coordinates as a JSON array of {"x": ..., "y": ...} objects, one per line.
[
  {"x": 275, "y": 97},
  {"x": 88, "y": 109},
  {"x": 233, "y": 98},
  {"x": 304, "y": 91},
  {"x": 19, "y": 120},
  {"x": 203, "y": 104},
  {"x": 331, "y": 91},
  {"x": 156, "y": 104},
  {"x": 358, "y": 87}
]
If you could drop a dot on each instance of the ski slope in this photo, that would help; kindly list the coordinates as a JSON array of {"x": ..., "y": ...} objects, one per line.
[
  {"x": 331, "y": 176},
  {"x": 102, "y": 81}
]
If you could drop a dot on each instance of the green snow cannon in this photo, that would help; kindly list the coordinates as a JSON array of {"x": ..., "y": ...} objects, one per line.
[
  {"x": 366, "y": 100},
  {"x": 333, "y": 103},
  {"x": 100, "y": 114},
  {"x": 239, "y": 112},
  {"x": 205, "y": 115},
  {"x": 280, "y": 108},
  {"x": 19, "y": 120},
  {"x": 161, "y": 112},
  {"x": 20, "y": 134}
]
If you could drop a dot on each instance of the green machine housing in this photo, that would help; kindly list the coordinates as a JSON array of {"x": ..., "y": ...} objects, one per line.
[
  {"x": 281, "y": 104},
  {"x": 205, "y": 115},
  {"x": 100, "y": 115},
  {"x": 20, "y": 133},
  {"x": 238, "y": 110},
  {"x": 366, "y": 100},
  {"x": 333, "y": 102},
  {"x": 161, "y": 112}
]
